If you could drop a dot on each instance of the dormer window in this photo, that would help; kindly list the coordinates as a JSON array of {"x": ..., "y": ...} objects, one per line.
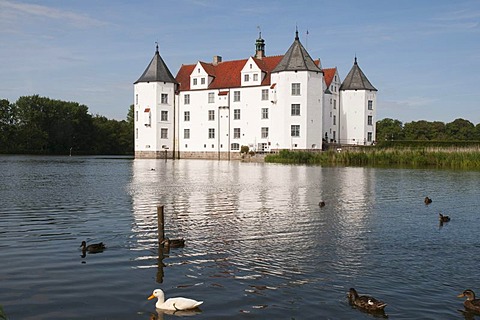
[
  {"x": 198, "y": 70},
  {"x": 255, "y": 77},
  {"x": 202, "y": 81},
  {"x": 194, "y": 82},
  {"x": 247, "y": 77},
  {"x": 250, "y": 66}
]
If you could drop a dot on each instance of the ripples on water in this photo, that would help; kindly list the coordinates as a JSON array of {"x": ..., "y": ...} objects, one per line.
[{"x": 258, "y": 245}]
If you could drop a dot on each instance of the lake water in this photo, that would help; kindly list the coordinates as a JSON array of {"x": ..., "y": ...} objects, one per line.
[{"x": 258, "y": 246}]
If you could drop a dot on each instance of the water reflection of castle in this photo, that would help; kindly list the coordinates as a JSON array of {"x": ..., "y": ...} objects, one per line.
[{"x": 252, "y": 215}]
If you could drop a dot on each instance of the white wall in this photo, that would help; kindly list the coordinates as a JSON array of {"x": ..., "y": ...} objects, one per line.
[
  {"x": 149, "y": 97},
  {"x": 354, "y": 116}
]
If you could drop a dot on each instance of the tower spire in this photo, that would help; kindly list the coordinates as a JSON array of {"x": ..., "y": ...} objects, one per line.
[
  {"x": 156, "y": 50},
  {"x": 296, "y": 33},
  {"x": 259, "y": 46}
]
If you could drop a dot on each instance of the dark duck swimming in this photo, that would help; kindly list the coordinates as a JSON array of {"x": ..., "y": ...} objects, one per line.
[
  {"x": 173, "y": 243},
  {"x": 443, "y": 218},
  {"x": 366, "y": 303},
  {"x": 92, "y": 248},
  {"x": 471, "y": 303}
]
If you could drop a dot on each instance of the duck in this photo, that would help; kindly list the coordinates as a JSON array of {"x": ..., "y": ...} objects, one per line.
[
  {"x": 92, "y": 248},
  {"x": 173, "y": 243},
  {"x": 365, "y": 303},
  {"x": 471, "y": 303},
  {"x": 443, "y": 218},
  {"x": 321, "y": 204},
  {"x": 173, "y": 304},
  {"x": 427, "y": 200}
]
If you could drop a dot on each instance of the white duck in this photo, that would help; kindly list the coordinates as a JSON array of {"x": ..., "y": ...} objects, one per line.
[{"x": 173, "y": 304}]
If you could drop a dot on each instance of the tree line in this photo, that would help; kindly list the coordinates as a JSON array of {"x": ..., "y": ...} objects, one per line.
[
  {"x": 457, "y": 130},
  {"x": 40, "y": 125}
]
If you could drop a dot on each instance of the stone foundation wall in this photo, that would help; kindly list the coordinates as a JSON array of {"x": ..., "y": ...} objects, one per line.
[
  {"x": 188, "y": 155},
  {"x": 153, "y": 154}
]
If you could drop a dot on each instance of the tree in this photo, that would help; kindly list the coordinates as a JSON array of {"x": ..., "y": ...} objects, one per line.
[
  {"x": 423, "y": 130},
  {"x": 460, "y": 129},
  {"x": 7, "y": 126},
  {"x": 52, "y": 126},
  {"x": 389, "y": 129}
]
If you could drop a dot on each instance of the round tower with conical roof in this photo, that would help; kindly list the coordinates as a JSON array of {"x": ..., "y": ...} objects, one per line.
[
  {"x": 358, "y": 101},
  {"x": 154, "y": 111},
  {"x": 298, "y": 83}
]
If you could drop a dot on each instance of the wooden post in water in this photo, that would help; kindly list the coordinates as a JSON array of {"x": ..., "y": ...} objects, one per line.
[
  {"x": 161, "y": 228},
  {"x": 161, "y": 237}
]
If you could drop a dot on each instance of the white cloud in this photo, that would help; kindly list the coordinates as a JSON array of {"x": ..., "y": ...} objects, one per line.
[{"x": 18, "y": 10}]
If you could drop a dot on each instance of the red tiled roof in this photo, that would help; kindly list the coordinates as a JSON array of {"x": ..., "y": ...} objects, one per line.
[
  {"x": 328, "y": 74},
  {"x": 226, "y": 74},
  {"x": 223, "y": 93},
  {"x": 147, "y": 110},
  {"x": 183, "y": 76}
]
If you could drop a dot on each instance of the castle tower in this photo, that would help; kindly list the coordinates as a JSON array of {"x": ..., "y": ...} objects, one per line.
[
  {"x": 298, "y": 83},
  {"x": 154, "y": 109},
  {"x": 358, "y": 101}
]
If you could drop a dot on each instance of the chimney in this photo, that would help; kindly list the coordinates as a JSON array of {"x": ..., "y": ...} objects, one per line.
[{"x": 216, "y": 60}]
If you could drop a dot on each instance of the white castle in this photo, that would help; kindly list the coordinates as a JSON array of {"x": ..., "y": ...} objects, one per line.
[{"x": 268, "y": 103}]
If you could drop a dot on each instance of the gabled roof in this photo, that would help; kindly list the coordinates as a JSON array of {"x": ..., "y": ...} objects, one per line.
[
  {"x": 356, "y": 80},
  {"x": 297, "y": 59},
  {"x": 226, "y": 74},
  {"x": 157, "y": 71},
  {"x": 328, "y": 74}
]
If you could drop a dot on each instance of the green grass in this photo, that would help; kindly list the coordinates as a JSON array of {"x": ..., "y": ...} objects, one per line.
[{"x": 372, "y": 156}]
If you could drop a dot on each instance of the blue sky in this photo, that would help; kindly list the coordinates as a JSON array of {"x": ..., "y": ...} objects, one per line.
[{"x": 423, "y": 56}]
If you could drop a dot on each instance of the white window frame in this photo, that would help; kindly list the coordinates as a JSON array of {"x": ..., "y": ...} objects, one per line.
[
  {"x": 264, "y": 113},
  {"x": 164, "y": 98},
  {"x": 295, "y": 109},
  {"x": 295, "y": 89},
  {"x": 211, "y": 115},
  {"x": 236, "y": 114},
  {"x": 264, "y": 132},
  {"x": 164, "y": 133},
  {"x": 211, "y": 133},
  {"x": 236, "y": 133},
  {"x": 264, "y": 94},
  {"x": 236, "y": 96},
  {"x": 295, "y": 130},
  {"x": 163, "y": 115}
]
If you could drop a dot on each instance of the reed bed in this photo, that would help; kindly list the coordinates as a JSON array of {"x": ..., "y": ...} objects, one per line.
[{"x": 450, "y": 158}]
